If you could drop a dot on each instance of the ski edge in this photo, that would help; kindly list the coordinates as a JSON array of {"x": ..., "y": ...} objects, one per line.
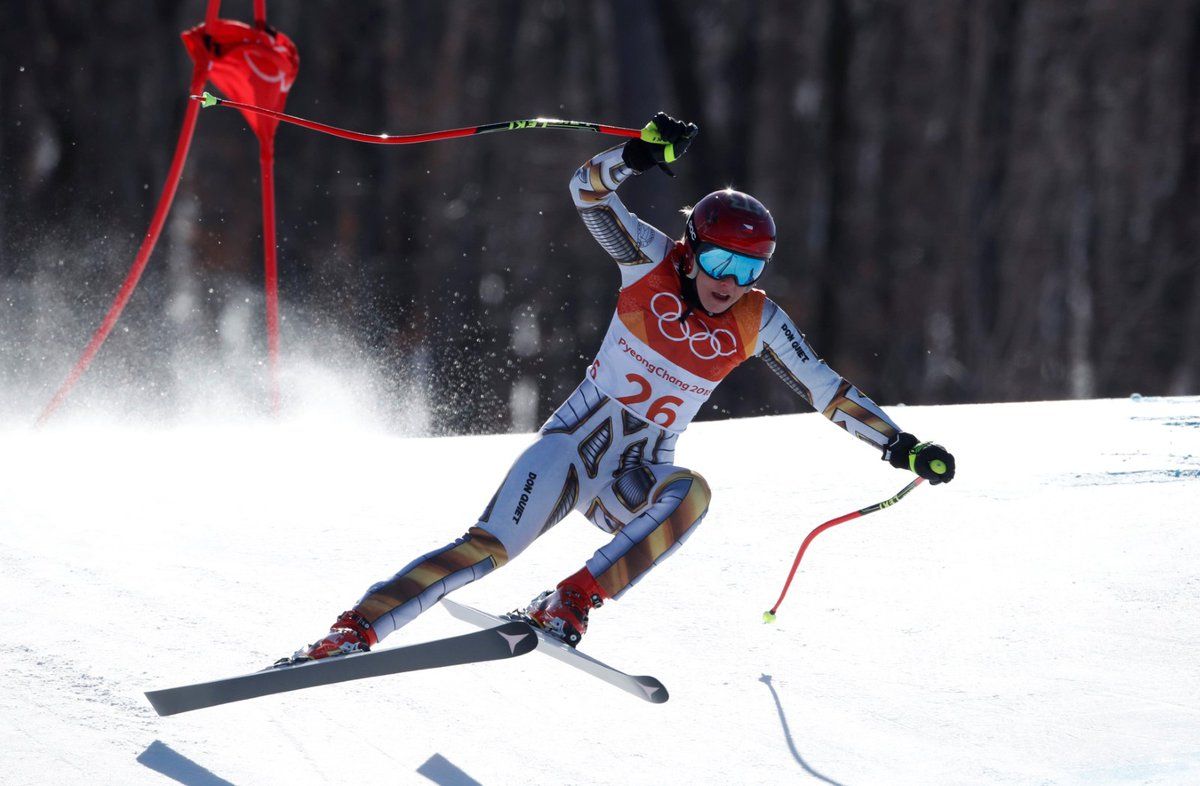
[{"x": 378, "y": 663}]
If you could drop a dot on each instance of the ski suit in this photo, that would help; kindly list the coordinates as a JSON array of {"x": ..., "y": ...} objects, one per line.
[{"x": 609, "y": 450}]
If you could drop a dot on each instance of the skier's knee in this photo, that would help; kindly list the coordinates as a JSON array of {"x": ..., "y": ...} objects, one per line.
[
  {"x": 700, "y": 494},
  {"x": 696, "y": 497}
]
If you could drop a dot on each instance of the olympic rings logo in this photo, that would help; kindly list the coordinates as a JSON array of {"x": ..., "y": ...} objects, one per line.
[{"x": 705, "y": 344}]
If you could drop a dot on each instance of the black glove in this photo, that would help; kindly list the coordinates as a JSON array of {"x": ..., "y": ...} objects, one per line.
[
  {"x": 930, "y": 461},
  {"x": 664, "y": 139}
]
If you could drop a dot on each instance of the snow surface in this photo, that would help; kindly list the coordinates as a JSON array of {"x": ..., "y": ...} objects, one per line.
[{"x": 1033, "y": 622}]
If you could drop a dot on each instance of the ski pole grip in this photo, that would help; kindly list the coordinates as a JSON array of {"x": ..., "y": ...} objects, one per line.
[{"x": 652, "y": 135}]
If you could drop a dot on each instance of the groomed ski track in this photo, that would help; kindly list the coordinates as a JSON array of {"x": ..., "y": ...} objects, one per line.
[{"x": 1034, "y": 622}]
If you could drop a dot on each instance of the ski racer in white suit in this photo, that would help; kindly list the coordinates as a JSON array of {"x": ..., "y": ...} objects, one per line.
[{"x": 686, "y": 316}]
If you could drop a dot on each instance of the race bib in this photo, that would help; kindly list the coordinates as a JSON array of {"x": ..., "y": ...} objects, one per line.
[{"x": 662, "y": 359}]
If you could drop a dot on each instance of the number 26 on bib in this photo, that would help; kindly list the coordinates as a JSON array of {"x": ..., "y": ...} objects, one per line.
[{"x": 661, "y": 410}]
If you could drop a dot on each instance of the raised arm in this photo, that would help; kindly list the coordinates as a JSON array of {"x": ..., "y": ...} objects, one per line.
[
  {"x": 633, "y": 243},
  {"x": 626, "y": 238}
]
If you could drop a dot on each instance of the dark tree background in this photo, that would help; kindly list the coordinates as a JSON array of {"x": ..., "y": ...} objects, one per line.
[{"x": 977, "y": 201}]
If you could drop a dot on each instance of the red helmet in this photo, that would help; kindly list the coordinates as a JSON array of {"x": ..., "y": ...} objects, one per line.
[{"x": 734, "y": 221}]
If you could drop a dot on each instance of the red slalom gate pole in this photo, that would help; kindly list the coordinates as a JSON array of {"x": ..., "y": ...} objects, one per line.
[
  {"x": 143, "y": 256},
  {"x": 266, "y": 160},
  {"x": 769, "y": 616},
  {"x": 207, "y": 100}
]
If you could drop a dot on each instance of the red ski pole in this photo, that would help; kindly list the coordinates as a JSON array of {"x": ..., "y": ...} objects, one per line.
[
  {"x": 650, "y": 135},
  {"x": 769, "y": 616}
]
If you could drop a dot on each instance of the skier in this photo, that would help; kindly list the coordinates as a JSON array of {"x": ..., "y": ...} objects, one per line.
[{"x": 687, "y": 314}]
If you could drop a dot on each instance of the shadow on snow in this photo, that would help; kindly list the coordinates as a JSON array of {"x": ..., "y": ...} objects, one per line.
[
  {"x": 439, "y": 770},
  {"x": 160, "y": 758},
  {"x": 787, "y": 734}
]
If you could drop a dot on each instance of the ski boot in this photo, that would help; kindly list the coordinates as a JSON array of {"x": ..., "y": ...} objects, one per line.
[
  {"x": 351, "y": 633},
  {"x": 563, "y": 612}
]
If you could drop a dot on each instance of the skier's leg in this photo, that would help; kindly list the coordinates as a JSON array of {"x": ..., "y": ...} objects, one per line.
[
  {"x": 416, "y": 587},
  {"x": 542, "y": 487},
  {"x": 538, "y": 491},
  {"x": 669, "y": 514},
  {"x": 677, "y": 504}
]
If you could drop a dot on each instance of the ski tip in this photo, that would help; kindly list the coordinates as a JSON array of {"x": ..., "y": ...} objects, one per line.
[{"x": 655, "y": 691}]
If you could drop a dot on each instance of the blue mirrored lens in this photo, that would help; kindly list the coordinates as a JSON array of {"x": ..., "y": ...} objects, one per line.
[{"x": 721, "y": 263}]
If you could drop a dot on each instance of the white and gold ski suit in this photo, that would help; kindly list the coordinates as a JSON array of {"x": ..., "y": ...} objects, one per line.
[{"x": 609, "y": 450}]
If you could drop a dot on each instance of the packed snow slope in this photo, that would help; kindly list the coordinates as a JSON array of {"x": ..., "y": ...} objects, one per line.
[{"x": 1036, "y": 621}]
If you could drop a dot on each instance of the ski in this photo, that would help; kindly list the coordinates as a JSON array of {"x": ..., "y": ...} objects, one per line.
[
  {"x": 502, "y": 639},
  {"x": 647, "y": 688}
]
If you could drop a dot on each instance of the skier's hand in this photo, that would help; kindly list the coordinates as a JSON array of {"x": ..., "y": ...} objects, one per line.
[
  {"x": 930, "y": 461},
  {"x": 664, "y": 139}
]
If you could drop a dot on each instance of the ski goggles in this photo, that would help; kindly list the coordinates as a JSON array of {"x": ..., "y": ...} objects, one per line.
[{"x": 722, "y": 263}]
